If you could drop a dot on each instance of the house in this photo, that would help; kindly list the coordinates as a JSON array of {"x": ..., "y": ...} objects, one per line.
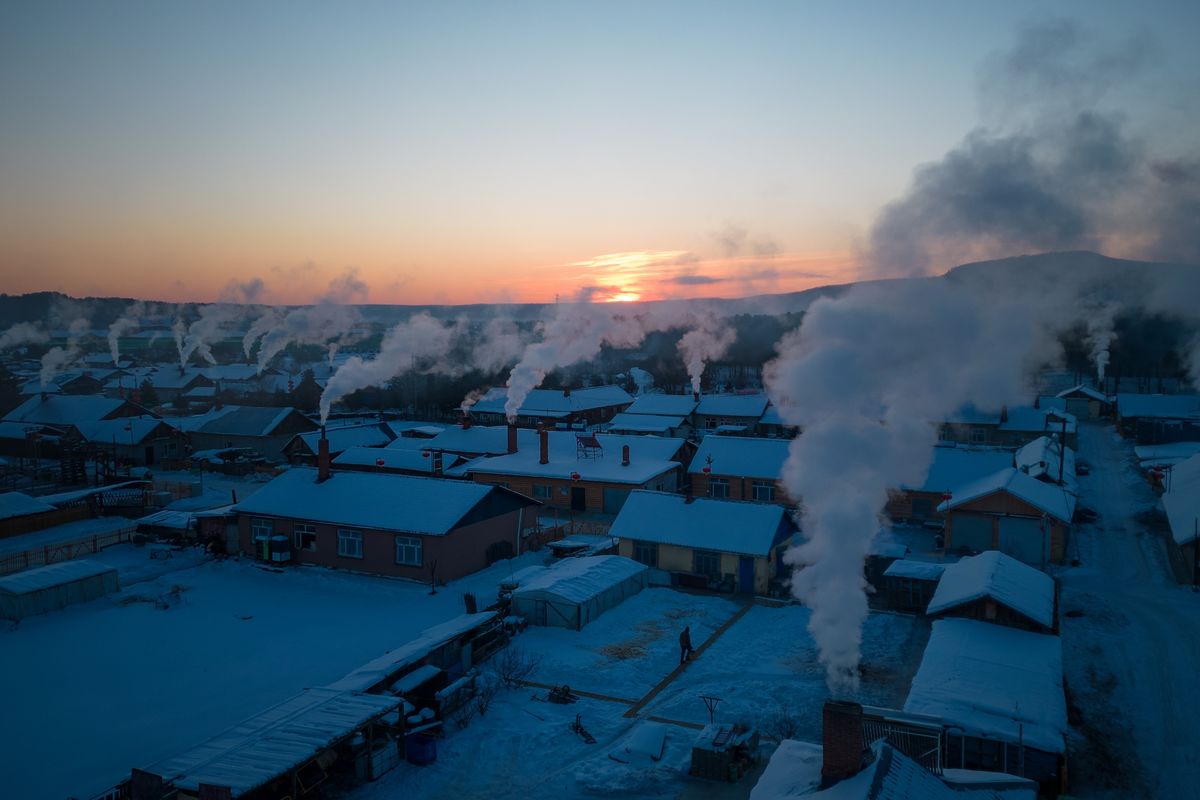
[
  {"x": 908, "y": 585},
  {"x": 999, "y": 693},
  {"x": 1159, "y": 418},
  {"x": 431, "y": 463},
  {"x": 655, "y": 424},
  {"x": 994, "y": 587},
  {"x": 143, "y": 441},
  {"x": 1046, "y": 459},
  {"x": 738, "y": 543},
  {"x": 54, "y": 586},
  {"x": 664, "y": 405},
  {"x": 773, "y": 426},
  {"x": 469, "y": 440},
  {"x": 953, "y": 466},
  {"x": 1008, "y": 427},
  {"x": 1011, "y": 512},
  {"x": 582, "y": 471},
  {"x": 576, "y": 591},
  {"x": 730, "y": 413},
  {"x": 394, "y": 525},
  {"x": 1181, "y": 501},
  {"x": 71, "y": 409},
  {"x": 266, "y": 429},
  {"x": 551, "y": 407},
  {"x": 302, "y": 449},
  {"x": 20, "y": 513},
  {"x": 740, "y": 468},
  {"x": 71, "y": 382},
  {"x": 1086, "y": 403}
]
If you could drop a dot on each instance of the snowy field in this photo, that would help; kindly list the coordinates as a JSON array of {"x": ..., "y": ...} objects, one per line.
[
  {"x": 118, "y": 682},
  {"x": 524, "y": 747}
]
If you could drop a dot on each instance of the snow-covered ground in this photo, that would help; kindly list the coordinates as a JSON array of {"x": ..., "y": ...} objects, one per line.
[
  {"x": 1130, "y": 658},
  {"x": 118, "y": 683}
]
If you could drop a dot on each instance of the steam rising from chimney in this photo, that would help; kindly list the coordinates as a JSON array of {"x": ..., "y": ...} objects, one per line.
[
  {"x": 129, "y": 321},
  {"x": 57, "y": 359},
  {"x": 332, "y": 316},
  {"x": 1100, "y": 335},
  {"x": 708, "y": 341},
  {"x": 23, "y": 333}
]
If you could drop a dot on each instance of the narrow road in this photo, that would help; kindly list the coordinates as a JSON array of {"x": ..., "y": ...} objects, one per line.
[{"x": 1133, "y": 655}]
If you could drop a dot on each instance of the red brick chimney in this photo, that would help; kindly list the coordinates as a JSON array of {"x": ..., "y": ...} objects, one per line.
[
  {"x": 543, "y": 446},
  {"x": 625, "y": 455},
  {"x": 841, "y": 741},
  {"x": 566, "y": 391},
  {"x": 696, "y": 396},
  {"x": 322, "y": 458},
  {"x": 466, "y": 420},
  {"x": 512, "y": 438}
]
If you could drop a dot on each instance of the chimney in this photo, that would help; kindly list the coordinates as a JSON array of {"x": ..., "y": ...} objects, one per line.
[
  {"x": 1003, "y": 414},
  {"x": 544, "y": 446},
  {"x": 696, "y": 396},
  {"x": 566, "y": 391},
  {"x": 466, "y": 420},
  {"x": 625, "y": 456},
  {"x": 841, "y": 741},
  {"x": 322, "y": 458},
  {"x": 512, "y": 438}
]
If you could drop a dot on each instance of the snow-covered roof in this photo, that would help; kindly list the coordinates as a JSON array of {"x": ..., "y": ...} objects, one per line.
[
  {"x": 1086, "y": 391},
  {"x": 346, "y": 436},
  {"x": 1040, "y": 459},
  {"x": 732, "y": 405},
  {"x": 490, "y": 439},
  {"x": 380, "y": 669},
  {"x": 772, "y": 417},
  {"x": 79, "y": 494},
  {"x": 245, "y": 420},
  {"x": 644, "y": 423},
  {"x": 1001, "y": 577},
  {"x": 743, "y": 456},
  {"x": 578, "y": 580},
  {"x": 955, "y": 466},
  {"x": 918, "y": 570},
  {"x": 51, "y": 575},
  {"x": 275, "y": 741},
  {"x": 1054, "y": 500},
  {"x": 233, "y": 372},
  {"x": 1169, "y": 406},
  {"x": 649, "y": 457},
  {"x": 1182, "y": 499},
  {"x": 1167, "y": 453},
  {"x": 122, "y": 430},
  {"x": 993, "y": 682},
  {"x": 376, "y": 500},
  {"x": 555, "y": 402},
  {"x": 176, "y": 520},
  {"x": 669, "y": 405},
  {"x": 729, "y": 526},
  {"x": 1028, "y": 418},
  {"x": 16, "y": 504},
  {"x": 411, "y": 460},
  {"x": 65, "y": 409}
]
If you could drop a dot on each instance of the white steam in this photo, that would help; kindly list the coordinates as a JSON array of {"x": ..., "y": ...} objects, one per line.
[
  {"x": 708, "y": 341},
  {"x": 642, "y": 379},
  {"x": 1100, "y": 334},
  {"x": 58, "y": 359},
  {"x": 331, "y": 317},
  {"x": 129, "y": 321},
  {"x": 23, "y": 333}
]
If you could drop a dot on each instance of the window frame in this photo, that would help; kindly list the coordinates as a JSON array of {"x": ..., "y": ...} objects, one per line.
[
  {"x": 349, "y": 535},
  {"x": 543, "y": 491},
  {"x": 409, "y": 542},
  {"x": 715, "y": 482},
  {"x": 261, "y": 528},
  {"x": 766, "y": 487},
  {"x": 645, "y": 553},
  {"x": 699, "y": 555},
  {"x": 299, "y": 531}
]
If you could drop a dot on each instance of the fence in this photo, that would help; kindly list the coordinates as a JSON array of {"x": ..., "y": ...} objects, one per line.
[{"x": 63, "y": 551}]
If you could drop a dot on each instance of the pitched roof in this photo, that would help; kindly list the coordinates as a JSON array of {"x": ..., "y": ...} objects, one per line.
[
  {"x": 380, "y": 501},
  {"x": 1086, "y": 391},
  {"x": 743, "y": 456},
  {"x": 121, "y": 430},
  {"x": 51, "y": 575},
  {"x": 918, "y": 570},
  {"x": 1028, "y": 418},
  {"x": 649, "y": 457},
  {"x": 1044, "y": 458},
  {"x": 955, "y": 466},
  {"x": 644, "y": 423},
  {"x": 65, "y": 409},
  {"x": 732, "y": 405},
  {"x": 1167, "y": 406},
  {"x": 1054, "y": 500},
  {"x": 670, "y": 405},
  {"x": 346, "y": 436},
  {"x": 994, "y": 682},
  {"x": 1001, "y": 577},
  {"x": 411, "y": 460},
  {"x": 246, "y": 420},
  {"x": 553, "y": 402},
  {"x": 17, "y": 504},
  {"x": 730, "y": 526},
  {"x": 490, "y": 439},
  {"x": 1181, "y": 500},
  {"x": 580, "y": 579}
]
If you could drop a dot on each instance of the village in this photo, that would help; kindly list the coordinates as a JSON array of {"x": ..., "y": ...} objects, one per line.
[{"x": 589, "y": 595}]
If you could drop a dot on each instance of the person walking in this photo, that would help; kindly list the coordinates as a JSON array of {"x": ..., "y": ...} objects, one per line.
[{"x": 685, "y": 644}]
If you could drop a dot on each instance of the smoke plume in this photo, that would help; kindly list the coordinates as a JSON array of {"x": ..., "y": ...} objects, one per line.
[
  {"x": 22, "y": 333},
  {"x": 708, "y": 341},
  {"x": 58, "y": 359},
  {"x": 642, "y": 379},
  {"x": 331, "y": 317},
  {"x": 129, "y": 321}
]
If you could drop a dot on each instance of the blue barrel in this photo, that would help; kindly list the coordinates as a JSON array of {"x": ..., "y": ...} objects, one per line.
[{"x": 420, "y": 748}]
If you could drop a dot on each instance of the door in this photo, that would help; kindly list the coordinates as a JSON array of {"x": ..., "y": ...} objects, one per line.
[
  {"x": 1023, "y": 539},
  {"x": 971, "y": 532},
  {"x": 746, "y": 575},
  {"x": 578, "y": 498},
  {"x": 149, "y": 456}
]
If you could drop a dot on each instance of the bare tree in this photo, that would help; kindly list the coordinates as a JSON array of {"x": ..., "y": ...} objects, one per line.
[{"x": 512, "y": 666}]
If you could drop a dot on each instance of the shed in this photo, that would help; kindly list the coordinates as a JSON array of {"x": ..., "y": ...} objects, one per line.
[
  {"x": 54, "y": 586},
  {"x": 997, "y": 588},
  {"x": 578, "y": 590},
  {"x": 908, "y": 585}
]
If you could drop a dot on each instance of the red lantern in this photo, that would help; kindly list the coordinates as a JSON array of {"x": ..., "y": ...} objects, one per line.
[
  {"x": 424, "y": 454},
  {"x": 707, "y": 469},
  {"x": 379, "y": 462},
  {"x": 575, "y": 476},
  {"x": 946, "y": 497}
]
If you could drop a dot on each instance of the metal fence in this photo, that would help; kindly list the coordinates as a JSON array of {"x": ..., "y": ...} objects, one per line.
[{"x": 64, "y": 551}]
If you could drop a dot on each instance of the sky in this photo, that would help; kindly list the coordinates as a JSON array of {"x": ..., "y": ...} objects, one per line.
[{"x": 484, "y": 152}]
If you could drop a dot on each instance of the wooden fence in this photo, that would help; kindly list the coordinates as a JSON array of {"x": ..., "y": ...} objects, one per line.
[{"x": 64, "y": 551}]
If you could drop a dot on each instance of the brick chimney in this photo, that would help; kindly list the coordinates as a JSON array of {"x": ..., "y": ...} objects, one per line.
[
  {"x": 512, "y": 438},
  {"x": 322, "y": 457},
  {"x": 465, "y": 421},
  {"x": 566, "y": 391},
  {"x": 625, "y": 455},
  {"x": 543, "y": 446},
  {"x": 696, "y": 396},
  {"x": 1003, "y": 414},
  {"x": 841, "y": 741}
]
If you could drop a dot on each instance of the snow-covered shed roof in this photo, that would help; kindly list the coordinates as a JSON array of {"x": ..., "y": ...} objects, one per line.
[
  {"x": 1028, "y": 418},
  {"x": 1086, "y": 391},
  {"x": 1041, "y": 459},
  {"x": 275, "y": 741},
  {"x": 247, "y": 420},
  {"x": 732, "y": 405},
  {"x": 555, "y": 402},
  {"x": 917, "y": 570},
  {"x": 122, "y": 430},
  {"x": 346, "y": 436},
  {"x": 644, "y": 423},
  {"x": 1167, "y": 406},
  {"x": 411, "y": 460},
  {"x": 1172, "y": 453},
  {"x": 669, "y": 405},
  {"x": 772, "y": 417},
  {"x": 955, "y": 466},
  {"x": 729, "y": 526},
  {"x": 649, "y": 457},
  {"x": 1182, "y": 499},
  {"x": 65, "y": 409},
  {"x": 1054, "y": 500},
  {"x": 380, "y": 669},
  {"x": 743, "y": 456},
  {"x": 18, "y": 504},
  {"x": 375, "y": 500},
  {"x": 578, "y": 580},
  {"x": 993, "y": 682},
  {"x": 175, "y": 520},
  {"x": 1001, "y": 577},
  {"x": 51, "y": 575},
  {"x": 75, "y": 495}
]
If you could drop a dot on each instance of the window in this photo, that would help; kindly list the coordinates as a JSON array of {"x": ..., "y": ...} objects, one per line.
[
  {"x": 764, "y": 491},
  {"x": 541, "y": 491},
  {"x": 261, "y": 528},
  {"x": 978, "y": 436},
  {"x": 306, "y": 536},
  {"x": 646, "y": 553},
  {"x": 350, "y": 543},
  {"x": 706, "y": 562},
  {"x": 408, "y": 551},
  {"x": 718, "y": 487}
]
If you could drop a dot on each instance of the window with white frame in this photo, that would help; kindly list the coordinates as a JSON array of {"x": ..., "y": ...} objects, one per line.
[
  {"x": 306, "y": 536},
  {"x": 261, "y": 528},
  {"x": 646, "y": 553},
  {"x": 541, "y": 491},
  {"x": 706, "y": 562},
  {"x": 408, "y": 551},
  {"x": 350, "y": 543},
  {"x": 763, "y": 491},
  {"x": 718, "y": 487}
]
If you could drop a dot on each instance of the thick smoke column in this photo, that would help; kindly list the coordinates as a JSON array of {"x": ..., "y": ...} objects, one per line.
[
  {"x": 178, "y": 332},
  {"x": 707, "y": 342},
  {"x": 866, "y": 376},
  {"x": 57, "y": 359},
  {"x": 473, "y": 397},
  {"x": 330, "y": 317},
  {"x": 642, "y": 379},
  {"x": 22, "y": 333},
  {"x": 1100, "y": 334},
  {"x": 128, "y": 322},
  {"x": 259, "y": 328}
]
